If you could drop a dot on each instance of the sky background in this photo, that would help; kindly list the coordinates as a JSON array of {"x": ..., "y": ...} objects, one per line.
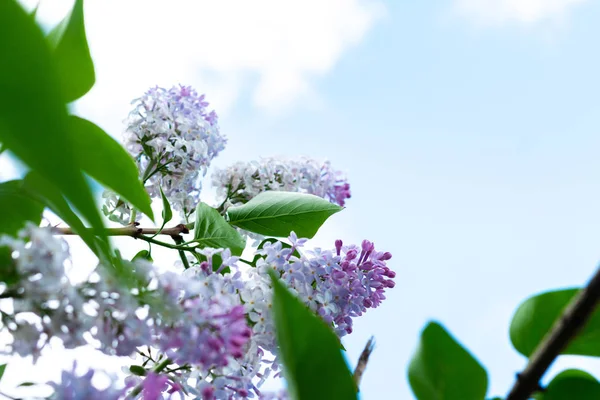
[{"x": 468, "y": 129}]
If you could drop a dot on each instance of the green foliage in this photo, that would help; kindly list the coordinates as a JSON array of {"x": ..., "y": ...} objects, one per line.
[
  {"x": 211, "y": 230},
  {"x": 536, "y": 315},
  {"x": 105, "y": 160},
  {"x": 33, "y": 122},
  {"x": 17, "y": 207},
  {"x": 442, "y": 369},
  {"x": 142, "y": 255},
  {"x": 314, "y": 366},
  {"x": 137, "y": 370},
  {"x": 2, "y": 369},
  {"x": 51, "y": 197},
  {"x": 167, "y": 213},
  {"x": 274, "y": 213},
  {"x": 72, "y": 55},
  {"x": 571, "y": 384}
]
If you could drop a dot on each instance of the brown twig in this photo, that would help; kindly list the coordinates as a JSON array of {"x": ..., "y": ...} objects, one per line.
[
  {"x": 363, "y": 360},
  {"x": 132, "y": 230},
  {"x": 141, "y": 233},
  {"x": 564, "y": 330}
]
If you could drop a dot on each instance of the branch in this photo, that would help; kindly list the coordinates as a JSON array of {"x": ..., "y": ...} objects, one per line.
[
  {"x": 564, "y": 330},
  {"x": 133, "y": 230},
  {"x": 363, "y": 360}
]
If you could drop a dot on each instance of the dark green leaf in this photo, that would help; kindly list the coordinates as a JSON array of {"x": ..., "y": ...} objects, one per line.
[
  {"x": 33, "y": 116},
  {"x": 17, "y": 207},
  {"x": 2, "y": 369},
  {"x": 137, "y": 370},
  {"x": 25, "y": 384},
  {"x": 314, "y": 366},
  {"x": 72, "y": 54},
  {"x": 211, "y": 230},
  {"x": 105, "y": 160},
  {"x": 441, "y": 369},
  {"x": 274, "y": 213},
  {"x": 572, "y": 384},
  {"x": 535, "y": 317}
]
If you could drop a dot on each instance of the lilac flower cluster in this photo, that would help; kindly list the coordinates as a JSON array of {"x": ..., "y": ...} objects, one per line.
[
  {"x": 45, "y": 303},
  {"x": 216, "y": 326},
  {"x": 173, "y": 138},
  {"x": 242, "y": 181},
  {"x": 338, "y": 284}
]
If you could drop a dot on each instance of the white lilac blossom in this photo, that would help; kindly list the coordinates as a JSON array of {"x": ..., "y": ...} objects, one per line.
[
  {"x": 117, "y": 210},
  {"x": 173, "y": 139},
  {"x": 244, "y": 180},
  {"x": 45, "y": 303}
]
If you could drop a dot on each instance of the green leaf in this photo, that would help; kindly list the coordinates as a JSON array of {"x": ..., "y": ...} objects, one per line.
[
  {"x": 274, "y": 213},
  {"x": 535, "y": 317},
  {"x": 167, "y": 214},
  {"x": 441, "y": 369},
  {"x": 137, "y": 370},
  {"x": 17, "y": 207},
  {"x": 105, "y": 160},
  {"x": 313, "y": 364},
  {"x": 572, "y": 384},
  {"x": 211, "y": 230},
  {"x": 49, "y": 195},
  {"x": 25, "y": 384},
  {"x": 33, "y": 114},
  {"x": 72, "y": 54},
  {"x": 142, "y": 255},
  {"x": 2, "y": 369}
]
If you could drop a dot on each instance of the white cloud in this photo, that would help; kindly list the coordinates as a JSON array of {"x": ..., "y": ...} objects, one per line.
[
  {"x": 221, "y": 47},
  {"x": 526, "y": 12}
]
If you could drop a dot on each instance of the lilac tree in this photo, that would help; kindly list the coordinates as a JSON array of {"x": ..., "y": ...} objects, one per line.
[{"x": 233, "y": 312}]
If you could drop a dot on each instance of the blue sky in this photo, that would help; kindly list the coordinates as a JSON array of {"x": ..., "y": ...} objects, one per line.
[{"x": 468, "y": 130}]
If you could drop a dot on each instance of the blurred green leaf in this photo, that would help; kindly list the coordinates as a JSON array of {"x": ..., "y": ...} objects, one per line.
[
  {"x": 105, "y": 160},
  {"x": 2, "y": 369},
  {"x": 72, "y": 54},
  {"x": 274, "y": 213},
  {"x": 48, "y": 194},
  {"x": 17, "y": 207},
  {"x": 314, "y": 366},
  {"x": 142, "y": 255},
  {"x": 534, "y": 319},
  {"x": 137, "y": 370},
  {"x": 441, "y": 369},
  {"x": 33, "y": 114},
  {"x": 211, "y": 230},
  {"x": 572, "y": 384}
]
